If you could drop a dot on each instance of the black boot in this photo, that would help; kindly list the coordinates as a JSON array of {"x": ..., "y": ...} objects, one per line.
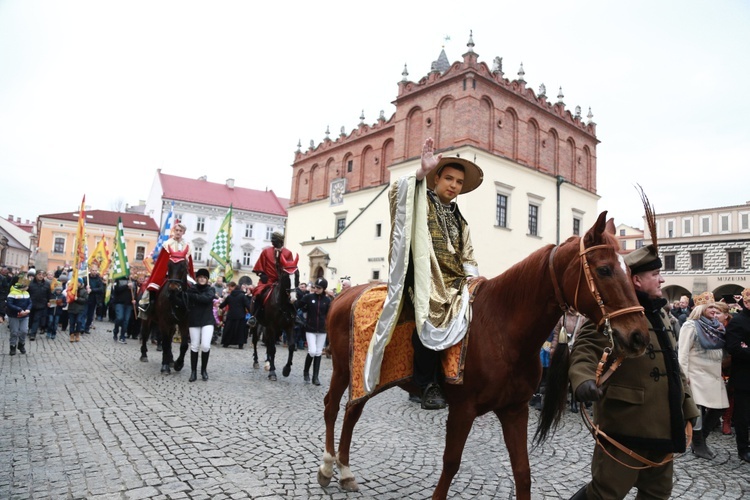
[
  {"x": 204, "y": 364},
  {"x": 580, "y": 494},
  {"x": 316, "y": 370},
  {"x": 306, "y": 371},
  {"x": 12, "y": 350},
  {"x": 22, "y": 348},
  {"x": 699, "y": 447},
  {"x": 193, "y": 366}
]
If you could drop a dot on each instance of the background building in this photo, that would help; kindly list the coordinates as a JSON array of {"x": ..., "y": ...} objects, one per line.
[
  {"x": 539, "y": 163},
  {"x": 631, "y": 238},
  {"x": 202, "y": 206},
  {"x": 705, "y": 250},
  {"x": 57, "y": 235},
  {"x": 15, "y": 245}
]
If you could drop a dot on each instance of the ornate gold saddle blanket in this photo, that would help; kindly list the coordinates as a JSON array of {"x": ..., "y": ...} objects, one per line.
[{"x": 398, "y": 361}]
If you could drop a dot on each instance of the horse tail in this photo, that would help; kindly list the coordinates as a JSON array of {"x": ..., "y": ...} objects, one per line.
[{"x": 555, "y": 396}]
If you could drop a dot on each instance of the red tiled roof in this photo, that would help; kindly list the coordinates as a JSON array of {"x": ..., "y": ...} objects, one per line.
[
  {"x": 220, "y": 195},
  {"x": 107, "y": 218}
]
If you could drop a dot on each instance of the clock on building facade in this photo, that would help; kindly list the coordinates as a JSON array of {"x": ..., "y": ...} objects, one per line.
[{"x": 338, "y": 188}]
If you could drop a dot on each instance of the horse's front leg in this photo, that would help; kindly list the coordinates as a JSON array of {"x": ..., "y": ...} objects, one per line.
[
  {"x": 514, "y": 423},
  {"x": 270, "y": 356},
  {"x": 184, "y": 346},
  {"x": 166, "y": 346},
  {"x": 291, "y": 346},
  {"x": 460, "y": 419},
  {"x": 145, "y": 329},
  {"x": 351, "y": 416}
]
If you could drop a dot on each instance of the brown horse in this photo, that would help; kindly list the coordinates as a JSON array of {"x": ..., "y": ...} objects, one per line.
[
  {"x": 513, "y": 314},
  {"x": 170, "y": 312}
]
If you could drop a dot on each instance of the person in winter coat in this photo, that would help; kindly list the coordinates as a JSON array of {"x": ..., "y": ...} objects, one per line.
[
  {"x": 316, "y": 305},
  {"x": 701, "y": 350},
  {"x": 54, "y": 310},
  {"x": 235, "y": 325},
  {"x": 200, "y": 322},
  {"x": 40, "y": 293},
  {"x": 18, "y": 308},
  {"x": 77, "y": 312},
  {"x": 738, "y": 345},
  {"x": 123, "y": 298}
]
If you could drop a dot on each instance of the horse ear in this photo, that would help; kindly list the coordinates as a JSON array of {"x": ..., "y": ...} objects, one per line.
[
  {"x": 611, "y": 226},
  {"x": 594, "y": 235}
]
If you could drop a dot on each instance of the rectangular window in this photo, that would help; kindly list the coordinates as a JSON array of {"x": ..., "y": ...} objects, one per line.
[
  {"x": 177, "y": 218},
  {"x": 501, "y": 218},
  {"x": 198, "y": 253},
  {"x": 378, "y": 230},
  {"x": 706, "y": 224},
  {"x": 269, "y": 232},
  {"x": 622, "y": 232},
  {"x": 669, "y": 262},
  {"x": 670, "y": 229},
  {"x": 696, "y": 261},
  {"x": 246, "y": 256},
  {"x": 734, "y": 259},
  {"x": 340, "y": 224},
  {"x": 638, "y": 244},
  {"x": 349, "y": 165},
  {"x": 375, "y": 274},
  {"x": 687, "y": 227},
  {"x": 140, "y": 252},
  {"x": 533, "y": 220},
  {"x": 623, "y": 244},
  {"x": 248, "y": 230},
  {"x": 744, "y": 222},
  {"x": 59, "y": 245},
  {"x": 200, "y": 225},
  {"x": 724, "y": 223},
  {"x": 576, "y": 226}
]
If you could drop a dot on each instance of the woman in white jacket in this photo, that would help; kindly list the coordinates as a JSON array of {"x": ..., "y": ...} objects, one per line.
[{"x": 701, "y": 349}]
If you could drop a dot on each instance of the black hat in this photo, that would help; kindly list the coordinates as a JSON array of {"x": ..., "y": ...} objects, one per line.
[
  {"x": 322, "y": 283},
  {"x": 202, "y": 272},
  {"x": 644, "y": 259}
]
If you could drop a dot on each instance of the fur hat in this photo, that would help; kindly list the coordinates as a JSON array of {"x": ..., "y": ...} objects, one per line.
[
  {"x": 322, "y": 283},
  {"x": 704, "y": 298},
  {"x": 473, "y": 175},
  {"x": 644, "y": 259},
  {"x": 31, "y": 272},
  {"x": 202, "y": 272}
]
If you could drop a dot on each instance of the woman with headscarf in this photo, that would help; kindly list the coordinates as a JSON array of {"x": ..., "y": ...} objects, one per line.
[{"x": 701, "y": 349}]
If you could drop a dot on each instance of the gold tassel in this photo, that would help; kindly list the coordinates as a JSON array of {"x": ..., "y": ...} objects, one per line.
[{"x": 562, "y": 338}]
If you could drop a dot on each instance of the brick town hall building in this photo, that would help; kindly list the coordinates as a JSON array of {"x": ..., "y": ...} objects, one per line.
[{"x": 538, "y": 158}]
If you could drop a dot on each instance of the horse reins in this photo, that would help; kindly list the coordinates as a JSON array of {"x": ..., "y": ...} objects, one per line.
[{"x": 601, "y": 375}]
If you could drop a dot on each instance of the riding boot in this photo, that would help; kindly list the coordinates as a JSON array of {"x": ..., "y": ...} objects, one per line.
[
  {"x": 316, "y": 370},
  {"x": 193, "y": 366},
  {"x": 580, "y": 494},
  {"x": 306, "y": 371},
  {"x": 699, "y": 447},
  {"x": 204, "y": 364}
]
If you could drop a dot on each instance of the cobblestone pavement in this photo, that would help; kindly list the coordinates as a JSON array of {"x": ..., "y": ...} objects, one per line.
[{"x": 89, "y": 420}]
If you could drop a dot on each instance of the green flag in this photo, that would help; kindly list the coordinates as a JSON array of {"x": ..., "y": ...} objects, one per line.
[
  {"x": 120, "y": 266},
  {"x": 221, "y": 250}
]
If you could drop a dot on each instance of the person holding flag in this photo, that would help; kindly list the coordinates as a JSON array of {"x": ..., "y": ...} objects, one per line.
[{"x": 123, "y": 292}]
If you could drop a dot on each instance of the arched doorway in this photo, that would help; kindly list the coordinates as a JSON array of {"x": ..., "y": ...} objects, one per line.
[
  {"x": 674, "y": 292},
  {"x": 727, "y": 292}
]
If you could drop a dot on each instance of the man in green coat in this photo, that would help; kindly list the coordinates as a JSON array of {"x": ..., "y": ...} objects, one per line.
[{"x": 644, "y": 405}]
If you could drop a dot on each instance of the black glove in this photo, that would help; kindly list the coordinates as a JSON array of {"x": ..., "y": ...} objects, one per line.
[
  {"x": 263, "y": 278},
  {"x": 588, "y": 391}
]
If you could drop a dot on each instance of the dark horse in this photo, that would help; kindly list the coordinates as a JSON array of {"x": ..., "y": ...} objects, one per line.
[
  {"x": 170, "y": 311},
  {"x": 513, "y": 314},
  {"x": 278, "y": 318}
]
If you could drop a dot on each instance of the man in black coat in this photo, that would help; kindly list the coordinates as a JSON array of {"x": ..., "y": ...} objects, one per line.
[
  {"x": 96, "y": 297},
  {"x": 738, "y": 345},
  {"x": 40, "y": 293}
]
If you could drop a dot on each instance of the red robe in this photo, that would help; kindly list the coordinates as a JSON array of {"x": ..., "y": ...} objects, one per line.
[
  {"x": 266, "y": 264},
  {"x": 159, "y": 273}
]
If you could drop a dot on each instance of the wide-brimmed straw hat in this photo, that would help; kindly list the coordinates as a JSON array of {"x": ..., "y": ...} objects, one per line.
[{"x": 473, "y": 175}]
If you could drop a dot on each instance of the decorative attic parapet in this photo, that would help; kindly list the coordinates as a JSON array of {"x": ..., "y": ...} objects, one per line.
[
  {"x": 494, "y": 76},
  {"x": 362, "y": 129}
]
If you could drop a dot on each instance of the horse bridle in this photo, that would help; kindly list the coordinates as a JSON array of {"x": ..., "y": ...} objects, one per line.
[{"x": 585, "y": 269}]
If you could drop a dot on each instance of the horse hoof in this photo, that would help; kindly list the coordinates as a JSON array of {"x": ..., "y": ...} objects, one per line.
[
  {"x": 144, "y": 359},
  {"x": 272, "y": 376},
  {"x": 286, "y": 370},
  {"x": 323, "y": 480},
  {"x": 349, "y": 484},
  {"x": 267, "y": 366},
  {"x": 256, "y": 365}
]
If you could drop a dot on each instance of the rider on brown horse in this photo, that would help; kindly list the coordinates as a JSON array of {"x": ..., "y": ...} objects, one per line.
[
  {"x": 265, "y": 268},
  {"x": 440, "y": 257}
]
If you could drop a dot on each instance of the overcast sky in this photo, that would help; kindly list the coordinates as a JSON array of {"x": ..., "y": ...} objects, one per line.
[{"x": 96, "y": 95}]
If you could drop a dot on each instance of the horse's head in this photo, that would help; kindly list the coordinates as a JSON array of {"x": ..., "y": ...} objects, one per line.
[
  {"x": 177, "y": 270},
  {"x": 600, "y": 285},
  {"x": 286, "y": 268}
]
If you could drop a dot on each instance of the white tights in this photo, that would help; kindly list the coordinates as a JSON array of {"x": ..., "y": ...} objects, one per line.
[
  {"x": 201, "y": 336},
  {"x": 315, "y": 343}
]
